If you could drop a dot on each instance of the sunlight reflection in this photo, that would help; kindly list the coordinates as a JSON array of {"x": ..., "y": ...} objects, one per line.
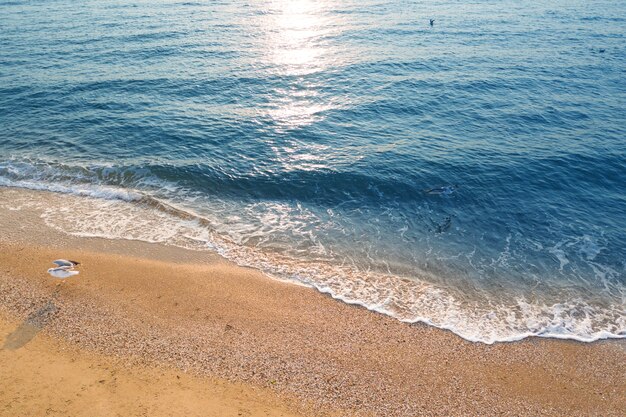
[
  {"x": 298, "y": 26},
  {"x": 302, "y": 157},
  {"x": 296, "y": 49}
]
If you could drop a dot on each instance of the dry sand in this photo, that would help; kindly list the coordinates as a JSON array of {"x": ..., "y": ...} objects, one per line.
[
  {"x": 142, "y": 307},
  {"x": 44, "y": 376}
]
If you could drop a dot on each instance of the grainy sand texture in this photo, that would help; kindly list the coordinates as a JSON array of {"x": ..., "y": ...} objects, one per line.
[
  {"x": 44, "y": 376},
  {"x": 147, "y": 329}
]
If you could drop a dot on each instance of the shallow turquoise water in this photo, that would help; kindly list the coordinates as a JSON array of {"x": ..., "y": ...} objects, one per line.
[{"x": 300, "y": 137}]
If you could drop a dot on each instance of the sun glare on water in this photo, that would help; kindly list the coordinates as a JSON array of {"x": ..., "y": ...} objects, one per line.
[
  {"x": 295, "y": 36},
  {"x": 296, "y": 48}
]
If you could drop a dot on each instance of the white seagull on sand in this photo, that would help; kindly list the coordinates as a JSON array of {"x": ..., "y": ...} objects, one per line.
[{"x": 64, "y": 269}]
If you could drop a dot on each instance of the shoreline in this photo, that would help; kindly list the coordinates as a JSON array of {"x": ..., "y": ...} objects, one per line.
[
  {"x": 77, "y": 213},
  {"x": 151, "y": 304}
]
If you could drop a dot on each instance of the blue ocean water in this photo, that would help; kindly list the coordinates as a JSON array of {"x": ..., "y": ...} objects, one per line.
[{"x": 303, "y": 137}]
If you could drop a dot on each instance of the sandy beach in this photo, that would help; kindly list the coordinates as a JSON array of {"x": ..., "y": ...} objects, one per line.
[
  {"x": 147, "y": 329},
  {"x": 45, "y": 376}
]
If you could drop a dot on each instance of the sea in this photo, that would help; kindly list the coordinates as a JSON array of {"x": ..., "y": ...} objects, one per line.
[{"x": 468, "y": 173}]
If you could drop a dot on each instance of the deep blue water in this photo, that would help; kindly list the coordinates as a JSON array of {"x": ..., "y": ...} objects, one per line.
[{"x": 300, "y": 136}]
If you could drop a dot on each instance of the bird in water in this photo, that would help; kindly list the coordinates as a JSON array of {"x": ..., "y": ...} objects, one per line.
[
  {"x": 64, "y": 268},
  {"x": 432, "y": 22},
  {"x": 445, "y": 190}
]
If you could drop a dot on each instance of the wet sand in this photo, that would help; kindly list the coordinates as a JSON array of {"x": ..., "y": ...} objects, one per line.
[{"x": 162, "y": 309}]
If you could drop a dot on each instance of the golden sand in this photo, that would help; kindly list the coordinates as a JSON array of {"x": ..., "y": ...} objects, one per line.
[
  {"x": 144, "y": 313},
  {"x": 44, "y": 376}
]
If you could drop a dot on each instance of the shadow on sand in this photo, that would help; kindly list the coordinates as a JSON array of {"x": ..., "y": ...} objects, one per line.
[{"x": 29, "y": 328}]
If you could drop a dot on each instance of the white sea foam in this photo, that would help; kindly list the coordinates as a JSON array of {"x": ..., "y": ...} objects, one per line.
[
  {"x": 590, "y": 248},
  {"x": 475, "y": 317},
  {"x": 103, "y": 192},
  {"x": 43, "y": 175}
]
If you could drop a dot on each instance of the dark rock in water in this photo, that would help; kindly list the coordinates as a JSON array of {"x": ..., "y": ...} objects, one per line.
[
  {"x": 445, "y": 190},
  {"x": 444, "y": 226}
]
